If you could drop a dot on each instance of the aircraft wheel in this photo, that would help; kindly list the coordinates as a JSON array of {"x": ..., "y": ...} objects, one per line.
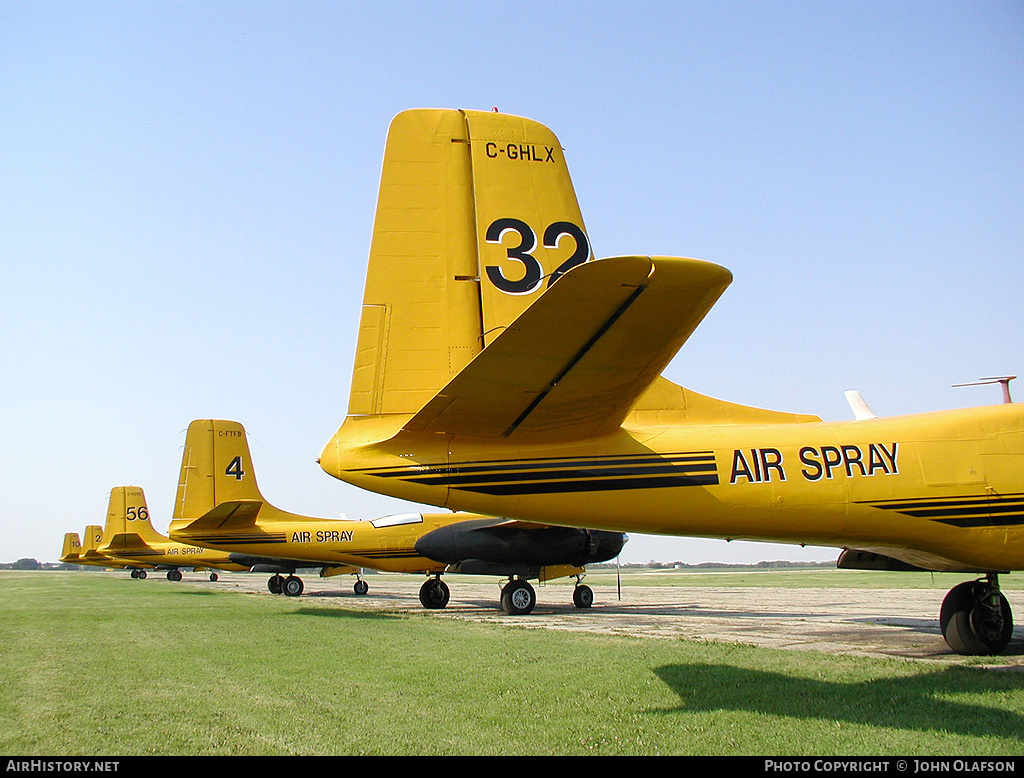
[
  {"x": 142, "y": 573},
  {"x": 214, "y": 577},
  {"x": 361, "y": 587},
  {"x": 292, "y": 586},
  {"x": 434, "y": 594},
  {"x": 174, "y": 575},
  {"x": 976, "y": 619},
  {"x": 135, "y": 573},
  {"x": 275, "y": 584},
  {"x": 582, "y": 596},
  {"x": 518, "y": 598}
]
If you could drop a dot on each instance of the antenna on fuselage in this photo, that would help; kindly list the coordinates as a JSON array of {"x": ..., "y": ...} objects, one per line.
[
  {"x": 860, "y": 408},
  {"x": 1003, "y": 380},
  {"x": 618, "y": 577}
]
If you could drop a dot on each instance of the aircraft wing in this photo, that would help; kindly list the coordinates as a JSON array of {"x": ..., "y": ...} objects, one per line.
[
  {"x": 518, "y": 524},
  {"x": 574, "y": 362}
]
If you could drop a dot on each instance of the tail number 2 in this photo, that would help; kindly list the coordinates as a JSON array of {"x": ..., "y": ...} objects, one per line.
[{"x": 533, "y": 273}]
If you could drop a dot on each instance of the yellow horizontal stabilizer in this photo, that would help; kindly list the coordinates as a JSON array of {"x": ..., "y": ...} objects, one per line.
[
  {"x": 232, "y": 514},
  {"x": 573, "y": 364},
  {"x": 125, "y": 541}
]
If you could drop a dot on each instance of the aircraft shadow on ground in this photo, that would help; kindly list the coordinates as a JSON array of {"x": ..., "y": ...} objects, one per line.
[
  {"x": 462, "y": 606},
  {"x": 700, "y": 611},
  {"x": 919, "y": 702},
  {"x": 922, "y": 626},
  {"x": 342, "y": 613},
  {"x": 931, "y": 626}
]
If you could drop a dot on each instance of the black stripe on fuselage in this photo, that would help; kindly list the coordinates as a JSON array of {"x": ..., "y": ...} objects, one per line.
[
  {"x": 598, "y": 484},
  {"x": 393, "y": 554},
  {"x": 553, "y": 475},
  {"x": 965, "y": 511},
  {"x": 228, "y": 539}
]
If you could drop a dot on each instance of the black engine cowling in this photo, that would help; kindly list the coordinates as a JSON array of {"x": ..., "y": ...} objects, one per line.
[{"x": 506, "y": 543}]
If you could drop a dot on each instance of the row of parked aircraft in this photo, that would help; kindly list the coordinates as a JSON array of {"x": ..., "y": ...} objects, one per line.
[
  {"x": 221, "y": 521},
  {"x": 502, "y": 371}
]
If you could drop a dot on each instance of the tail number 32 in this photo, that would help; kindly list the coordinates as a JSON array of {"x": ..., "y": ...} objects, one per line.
[{"x": 533, "y": 273}]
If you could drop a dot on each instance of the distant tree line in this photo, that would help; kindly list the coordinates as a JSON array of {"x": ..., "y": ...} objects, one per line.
[
  {"x": 27, "y": 563},
  {"x": 781, "y": 564}
]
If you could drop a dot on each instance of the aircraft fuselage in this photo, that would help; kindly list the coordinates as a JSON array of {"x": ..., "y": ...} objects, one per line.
[
  {"x": 388, "y": 547},
  {"x": 941, "y": 490}
]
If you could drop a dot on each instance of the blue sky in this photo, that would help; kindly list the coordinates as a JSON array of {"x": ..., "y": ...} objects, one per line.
[{"x": 188, "y": 192}]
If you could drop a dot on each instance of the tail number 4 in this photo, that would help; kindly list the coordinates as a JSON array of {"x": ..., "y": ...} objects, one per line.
[
  {"x": 533, "y": 273},
  {"x": 235, "y": 469}
]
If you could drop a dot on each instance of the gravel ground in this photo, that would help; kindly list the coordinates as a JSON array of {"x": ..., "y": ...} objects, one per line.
[{"x": 866, "y": 622}]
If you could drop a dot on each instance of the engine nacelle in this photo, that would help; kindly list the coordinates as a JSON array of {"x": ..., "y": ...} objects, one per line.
[
  {"x": 258, "y": 564},
  {"x": 507, "y": 543}
]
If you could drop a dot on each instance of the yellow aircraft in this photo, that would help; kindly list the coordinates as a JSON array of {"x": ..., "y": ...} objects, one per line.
[
  {"x": 130, "y": 538},
  {"x": 72, "y": 548},
  {"x": 87, "y": 553},
  {"x": 219, "y": 505},
  {"x": 500, "y": 369},
  {"x": 73, "y": 552}
]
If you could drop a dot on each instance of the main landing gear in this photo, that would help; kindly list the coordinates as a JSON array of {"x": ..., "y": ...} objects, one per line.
[
  {"x": 434, "y": 593},
  {"x": 518, "y": 597},
  {"x": 975, "y": 618},
  {"x": 172, "y": 575},
  {"x": 292, "y": 585}
]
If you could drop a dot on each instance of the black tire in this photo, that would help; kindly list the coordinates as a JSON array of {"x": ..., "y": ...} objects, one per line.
[
  {"x": 174, "y": 575},
  {"x": 974, "y": 625},
  {"x": 361, "y": 587},
  {"x": 275, "y": 584},
  {"x": 434, "y": 594},
  {"x": 292, "y": 586},
  {"x": 582, "y": 596},
  {"x": 214, "y": 577},
  {"x": 518, "y": 598},
  {"x": 142, "y": 573}
]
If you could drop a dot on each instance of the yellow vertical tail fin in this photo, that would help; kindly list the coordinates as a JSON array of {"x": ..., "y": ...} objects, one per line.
[
  {"x": 529, "y": 229},
  {"x": 128, "y": 514},
  {"x": 72, "y": 548},
  {"x": 476, "y": 216},
  {"x": 92, "y": 538},
  {"x": 216, "y": 467}
]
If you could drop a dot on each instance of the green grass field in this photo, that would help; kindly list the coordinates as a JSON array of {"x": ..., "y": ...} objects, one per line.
[{"x": 95, "y": 664}]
